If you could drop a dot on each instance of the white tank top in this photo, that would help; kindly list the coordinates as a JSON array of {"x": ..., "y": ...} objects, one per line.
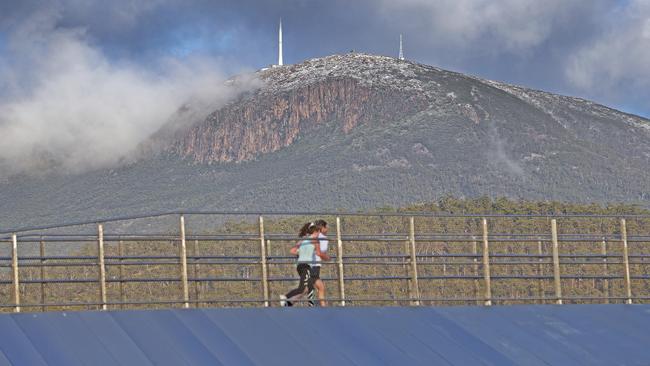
[{"x": 323, "y": 248}]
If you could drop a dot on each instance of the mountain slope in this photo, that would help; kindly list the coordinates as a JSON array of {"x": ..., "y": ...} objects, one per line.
[{"x": 358, "y": 131}]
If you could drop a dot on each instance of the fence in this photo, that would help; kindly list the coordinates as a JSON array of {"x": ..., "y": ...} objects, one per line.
[{"x": 378, "y": 259}]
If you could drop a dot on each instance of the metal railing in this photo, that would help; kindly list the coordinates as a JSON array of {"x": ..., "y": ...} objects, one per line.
[{"x": 414, "y": 270}]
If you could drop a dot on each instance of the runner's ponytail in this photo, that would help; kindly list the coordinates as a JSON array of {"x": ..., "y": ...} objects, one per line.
[{"x": 308, "y": 228}]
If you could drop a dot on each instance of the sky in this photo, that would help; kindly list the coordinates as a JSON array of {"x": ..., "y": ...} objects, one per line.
[{"x": 112, "y": 72}]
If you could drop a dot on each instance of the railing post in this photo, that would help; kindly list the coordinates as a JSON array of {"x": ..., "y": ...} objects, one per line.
[
  {"x": 42, "y": 253},
  {"x": 339, "y": 260},
  {"x": 197, "y": 273},
  {"x": 540, "y": 271},
  {"x": 603, "y": 251},
  {"x": 102, "y": 266},
  {"x": 477, "y": 286},
  {"x": 183, "y": 255},
  {"x": 486, "y": 264},
  {"x": 120, "y": 253},
  {"x": 265, "y": 278},
  {"x": 407, "y": 265},
  {"x": 556, "y": 263},
  {"x": 14, "y": 269},
  {"x": 626, "y": 262},
  {"x": 415, "y": 294}
]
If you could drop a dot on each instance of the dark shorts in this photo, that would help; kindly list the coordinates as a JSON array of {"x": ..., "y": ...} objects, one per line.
[{"x": 315, "y": 273}]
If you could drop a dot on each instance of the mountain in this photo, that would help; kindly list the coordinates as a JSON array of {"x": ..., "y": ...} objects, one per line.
[{"x": 358, "y": 131}]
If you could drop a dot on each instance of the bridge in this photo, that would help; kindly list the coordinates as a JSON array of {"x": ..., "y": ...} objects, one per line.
[
  {"x": 240, "y": 259},
  {"x": 199, "y": 288}
]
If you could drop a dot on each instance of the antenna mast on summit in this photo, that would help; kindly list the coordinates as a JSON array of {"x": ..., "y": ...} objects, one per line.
[
  {"x": 401, "y": 52},
  {"x": 280, "y": 45}
]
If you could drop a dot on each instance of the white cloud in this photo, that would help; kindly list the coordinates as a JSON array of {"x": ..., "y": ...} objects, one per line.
[
  {"x": 65, "y": 102},
  {"x": 503, "y": 25},
  {"x": 618, "y": 57}
]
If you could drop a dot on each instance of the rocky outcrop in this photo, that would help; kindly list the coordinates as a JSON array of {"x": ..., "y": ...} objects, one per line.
[{"x": 290, "y": 105}]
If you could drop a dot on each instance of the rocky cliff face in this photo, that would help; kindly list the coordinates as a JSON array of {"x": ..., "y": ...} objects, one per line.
[
  {"x": 269, "y": 122},
  {"x": 295, "y": 99}
]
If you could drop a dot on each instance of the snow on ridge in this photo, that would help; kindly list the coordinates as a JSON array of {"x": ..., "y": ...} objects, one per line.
[
  {"x": 389, "y": 72},
  {"x": 369, "y": 70},
  {"x": 544, "y": 100}
]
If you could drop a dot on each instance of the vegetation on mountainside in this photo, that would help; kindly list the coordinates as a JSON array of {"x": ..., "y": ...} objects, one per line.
[{"x": 243, "y": 284}]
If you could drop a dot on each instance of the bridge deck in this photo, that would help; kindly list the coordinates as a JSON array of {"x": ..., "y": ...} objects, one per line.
[{"x": 505, "y": 335}]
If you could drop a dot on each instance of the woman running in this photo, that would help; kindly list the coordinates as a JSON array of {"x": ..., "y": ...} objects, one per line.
[
  {"x": 319, "y": 285},
  {"x": 307, "y": 251}
]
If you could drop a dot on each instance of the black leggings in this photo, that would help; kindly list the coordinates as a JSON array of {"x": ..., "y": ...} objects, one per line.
[{"x": 306, "y": 284}]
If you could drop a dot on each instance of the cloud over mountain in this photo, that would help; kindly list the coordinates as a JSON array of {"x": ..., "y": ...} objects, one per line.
[{"x": 66, "y": 104}]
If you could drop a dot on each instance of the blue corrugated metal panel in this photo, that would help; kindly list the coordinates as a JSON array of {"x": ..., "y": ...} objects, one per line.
[{"x": 516, "y": 335}]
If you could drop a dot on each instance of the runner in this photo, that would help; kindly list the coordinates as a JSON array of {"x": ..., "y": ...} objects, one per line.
[
  {"x": 319, "y": 285},
  {"x": 307, "y": 253}
]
